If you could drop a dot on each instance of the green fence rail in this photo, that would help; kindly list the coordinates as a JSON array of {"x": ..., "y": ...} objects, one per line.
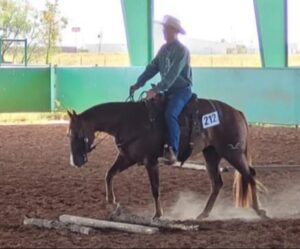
[
  {"x": 264, "y": 95},
  {"x": 80, "y": 88},
  {"x": 24, "y": 89}
]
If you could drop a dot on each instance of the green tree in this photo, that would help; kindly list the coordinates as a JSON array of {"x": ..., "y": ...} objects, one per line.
[
  {"x": 52, "y": 24},
  {"x": 14, "y": 21},
  {"x": 33, "y": 36}
]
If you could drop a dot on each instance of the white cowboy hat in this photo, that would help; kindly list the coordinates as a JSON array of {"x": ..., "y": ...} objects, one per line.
[{"x": 173, "y": 22}]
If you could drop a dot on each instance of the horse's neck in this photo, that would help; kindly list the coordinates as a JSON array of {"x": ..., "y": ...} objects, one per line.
[
  {"x": 110, "y": 118},
  {"x": 107, "y": 124}
]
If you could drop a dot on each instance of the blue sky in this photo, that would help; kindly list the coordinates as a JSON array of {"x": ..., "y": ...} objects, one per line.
[{"x": 233, "y": 20}]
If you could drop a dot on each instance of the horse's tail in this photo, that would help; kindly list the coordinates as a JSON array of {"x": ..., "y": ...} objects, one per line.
[
  {"x": 242, "y": 185},
  {"x": 242, "y": 190}
]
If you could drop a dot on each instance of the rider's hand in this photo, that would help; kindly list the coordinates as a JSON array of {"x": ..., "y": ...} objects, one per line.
[
  {"x": 151, "y": 94},
  {"x": 132, "y": 89}
]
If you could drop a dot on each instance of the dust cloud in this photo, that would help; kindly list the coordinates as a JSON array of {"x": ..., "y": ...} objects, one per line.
[{"x": 284, "y": 204}]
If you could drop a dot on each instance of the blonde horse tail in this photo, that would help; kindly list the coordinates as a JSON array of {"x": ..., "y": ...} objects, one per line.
[{"x": 241, "y": 185}]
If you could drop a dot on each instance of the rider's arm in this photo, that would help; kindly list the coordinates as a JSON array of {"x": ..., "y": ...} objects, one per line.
[
  {"x": 177, "y": 64},
  {"x": 150, "y": 71}
]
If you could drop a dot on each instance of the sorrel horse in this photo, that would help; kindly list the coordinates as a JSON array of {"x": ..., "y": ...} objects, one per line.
[{"x": 139, "y": 133}]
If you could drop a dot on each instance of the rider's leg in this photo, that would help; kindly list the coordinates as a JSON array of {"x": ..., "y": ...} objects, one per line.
[{"x": 175, "y": 104}]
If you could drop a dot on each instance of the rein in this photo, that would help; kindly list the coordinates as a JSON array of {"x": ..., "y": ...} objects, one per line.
[
  {"x": 120, "y": 144},
  {"x": 130, "y": 98},
  {"x": 94, "y": 145},
  {"x": 90, "y": 148}
]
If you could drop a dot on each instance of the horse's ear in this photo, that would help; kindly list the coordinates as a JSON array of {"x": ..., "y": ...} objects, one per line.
[
  {"x": 69, "y": 113},
  {"x": 74, "y": 113}
]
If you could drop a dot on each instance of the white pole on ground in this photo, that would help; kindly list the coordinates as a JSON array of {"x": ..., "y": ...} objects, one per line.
[
  {"x": 103, "y": 224},
  {"x": 55, "y": 224},
  {"x": 190, "y": 165}
]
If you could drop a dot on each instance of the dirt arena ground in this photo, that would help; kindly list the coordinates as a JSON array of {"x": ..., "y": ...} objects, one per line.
[{"x": 36, "y": 180}]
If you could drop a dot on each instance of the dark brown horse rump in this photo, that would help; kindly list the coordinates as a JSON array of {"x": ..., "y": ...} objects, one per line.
[{"x": 208, "y": 126}]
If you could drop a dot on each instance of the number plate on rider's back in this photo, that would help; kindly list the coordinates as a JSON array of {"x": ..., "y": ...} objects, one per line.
[{"x": 210, "y": 120}]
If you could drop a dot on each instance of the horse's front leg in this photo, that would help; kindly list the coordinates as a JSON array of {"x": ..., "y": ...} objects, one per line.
[
  {"x": 121, "y": 163},
  {"x": 153, "y": 173}
]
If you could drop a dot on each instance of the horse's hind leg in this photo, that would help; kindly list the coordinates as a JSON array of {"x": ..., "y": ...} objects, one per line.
[
  {"x": 244, "y": 180},
  {"x": 212, "y": 164},
  {"x": 121, "y": 163},
  {"x": 255, "y": 204},
  {"x": 153, "y": 173}
]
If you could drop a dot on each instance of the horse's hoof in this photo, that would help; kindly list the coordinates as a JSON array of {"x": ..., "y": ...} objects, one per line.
[
  {"x": 157, "y": 215},
  {"x": 202, "y": 216},
  {"x": 262, "y": 214},
  {"x": 111, "y": 200},
  {"x": 113, "y": 205},
  {"x": 155, "y": 218}
]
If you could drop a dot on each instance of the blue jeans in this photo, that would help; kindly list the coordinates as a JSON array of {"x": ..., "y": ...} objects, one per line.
[{"x": 176, "y": 101}]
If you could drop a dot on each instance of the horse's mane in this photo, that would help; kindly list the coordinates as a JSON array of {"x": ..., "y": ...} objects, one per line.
[{"x": 107, "y": 108}]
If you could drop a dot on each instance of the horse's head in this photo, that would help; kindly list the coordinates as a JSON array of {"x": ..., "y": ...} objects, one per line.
[{"x": 81, "y": 139}]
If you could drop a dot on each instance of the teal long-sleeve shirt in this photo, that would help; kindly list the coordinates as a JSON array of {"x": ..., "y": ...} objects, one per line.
[{"x": 173, "y": 63}]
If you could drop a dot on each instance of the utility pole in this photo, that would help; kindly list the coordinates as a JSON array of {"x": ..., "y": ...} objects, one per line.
[
  {"x": 100, "y": 36},
  {"x": 76, "y": 31}
]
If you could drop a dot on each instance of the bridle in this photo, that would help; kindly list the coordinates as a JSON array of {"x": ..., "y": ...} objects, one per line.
[
  {"x": 87, "y": 147},
  {"x": 90, "y": 148}
]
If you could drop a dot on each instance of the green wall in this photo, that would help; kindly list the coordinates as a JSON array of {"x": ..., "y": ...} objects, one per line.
[
  {"x": 24, "y": 89},
  {"x": 264, "y": 95},
  {"x": 80, "y": 88}
]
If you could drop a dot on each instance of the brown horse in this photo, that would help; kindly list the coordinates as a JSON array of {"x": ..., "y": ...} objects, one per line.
[{"x": 138, "y": 128}]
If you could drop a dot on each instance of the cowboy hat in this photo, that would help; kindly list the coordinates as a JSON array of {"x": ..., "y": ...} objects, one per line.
[{"x": 173, "y": 22}]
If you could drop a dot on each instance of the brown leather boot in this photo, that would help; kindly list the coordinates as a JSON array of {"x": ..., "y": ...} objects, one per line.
[{"x": 169, "y": 157}]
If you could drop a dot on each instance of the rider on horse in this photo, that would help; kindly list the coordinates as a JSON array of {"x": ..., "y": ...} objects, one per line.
[{"x": 173, "y": 63}]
